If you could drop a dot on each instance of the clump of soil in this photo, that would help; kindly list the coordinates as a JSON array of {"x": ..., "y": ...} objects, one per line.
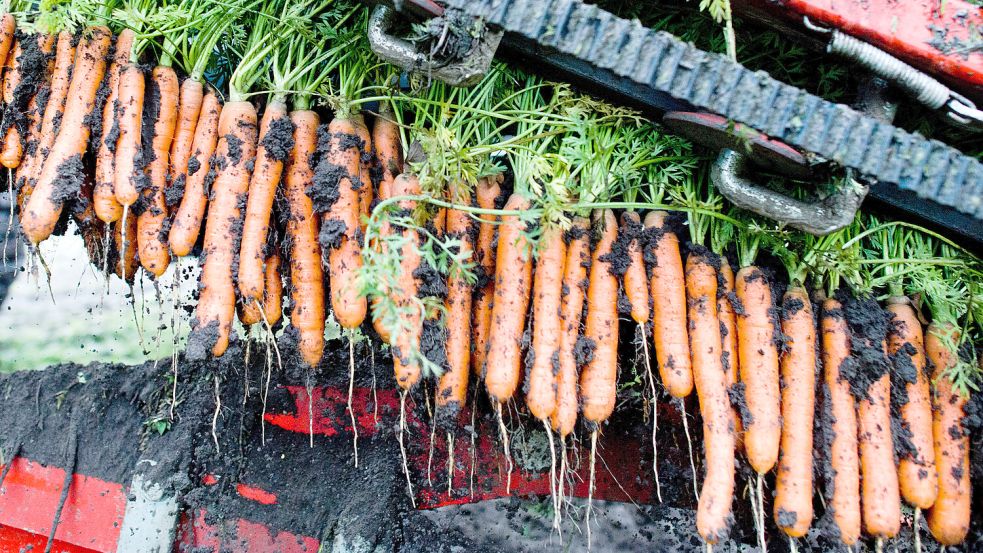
[
  {"x": 904, "y": 373},
  {"x": 332, "y": 231},
  {"x": 868, "y": 326},
  {"x": 201, "y": 340},
  {"x": 33, "y": 67},
  {"x": 68, "y": 180},
  {"x": 279, "y": 139},
  {"x": 323, "y": 189}
]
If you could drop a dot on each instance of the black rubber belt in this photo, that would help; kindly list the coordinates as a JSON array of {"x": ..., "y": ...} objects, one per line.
[{"x": 660, "y": 64}]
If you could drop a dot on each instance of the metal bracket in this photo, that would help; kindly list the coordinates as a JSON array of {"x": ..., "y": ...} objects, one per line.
[
  {"x": 400, "y": 52},
  {"x": 828, "y": 215}
]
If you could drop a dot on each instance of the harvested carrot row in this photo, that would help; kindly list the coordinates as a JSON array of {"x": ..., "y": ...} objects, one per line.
[
  {"x": 668, "y": 287},
  {"x": 201, "y": 173},
  {"x": 487, "y": 192},
  {"x": 841, "y": 414},
  {"x": 949, "y": 517},
  {"x": 572, "y": 294},
  {"x": 793, "y": 485},
  {"x": 713, "y": 511},
  {"x": 546, "y": 304},
  {"x": 151, "y": 234},
  {"x": 513, "y": 281},
  {"x": 65, "y": 159}
]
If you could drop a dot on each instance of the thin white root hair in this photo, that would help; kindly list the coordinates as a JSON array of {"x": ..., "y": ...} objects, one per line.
[
  {"x": 590, "y": 488},
  {"x": 310, "y": 409},
  {"x": 553, "y": 483},
  {"x": 351, "y": 389},
  {"x": 450, "y": 463},
  {"x": 689, "y": 446},
  {"x": 402, "y": 446},
  {"x": 914, "y": 529},
  {"x": 655, "y": 414},
  {"x": 760, "y": 509},
  {"x": 474, "y": 439},
  {"x": 218, "y": 407},
  {"x": 505, "y": 445}
]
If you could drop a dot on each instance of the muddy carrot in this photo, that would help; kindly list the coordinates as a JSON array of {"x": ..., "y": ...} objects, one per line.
[
  {"x": 793, "y": 485},
  {"x": 273, "y": 289},
  {"x": 573, "y": 293},
  {"x": 453, "y": 385},
  {"x": 192, "y": 97},
  {"x": 104, "y": 195},
  {"x": 916, "y": 471},
  {"x": 304, "y": 256},
  {"x": 841, "y": 414},
  {"x": 365, "y": 193},
  {"x": 151, "y": 237},
  {"x": 65, "y": 158},
  {"x": 758, "y": 361},
  {"x": 201, "y": 173},
  {"x": 635, "y": 281},
  {"x": 717, "y": 494},
  {"x": 8, "y": 26},
  {"x": 513, "y": 282},
  {"x": 879, "y": 492},
  {"x": 236, "y": 151},
  {"x": 668, "y": 288},
  {"x": 388, "y": 154},
  {"x": 728, "y": 334},
  {"x": 127, "y": 262},
  {"x": 949, "y": 517},
  {"x": 546, "y": 304},
  {"x": 132, "y": 87},
  {"x": 25, "y": 98},
  {"x": 262, "y": 190},
  {"x": 598, "y": 379},
  {"x": 406, "y": 342},
  {"x": 487, "y": 191}
]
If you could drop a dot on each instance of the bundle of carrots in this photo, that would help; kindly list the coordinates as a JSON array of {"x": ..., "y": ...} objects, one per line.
[{"x": 518, "y": 223}]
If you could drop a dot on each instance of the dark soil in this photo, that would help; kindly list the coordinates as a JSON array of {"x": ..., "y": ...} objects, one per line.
[
  {"x": 279, "y": 139},
  {"x": 868, "y": 361},
  {"x": 323, "y": 190},
  {"x": 332, "y": 231},
  {"x": 68, "y": 180},
  {"x": 33, "y": 71}
]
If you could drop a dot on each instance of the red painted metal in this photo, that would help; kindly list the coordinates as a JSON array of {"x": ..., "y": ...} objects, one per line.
[
  {"x": 93, "y": 511},
  {"x": 240, "y": 535},
  {"x": 907, "y": 29},
  {"x": 14, "y": 539}
]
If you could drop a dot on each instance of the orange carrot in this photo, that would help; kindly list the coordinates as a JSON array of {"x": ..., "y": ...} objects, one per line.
[
  {"x": 407, "y": 341},
  {"x": 717, "y": 494},
  {"x": 304, "y": 255},
  {"x": 547, "y": 294},
  {"x": 104, "y": 196},
  {"x": 365, "y": 193},
  {"x": 949, "y": 517},
  {"x": 8, "y": 26},
  {"x": 37, "y": 142},
  {"x": 879, "y": 493},
  {"x": 728, "y": 335},
  {"x": 22, "y": 112},
  {"x": 917, "y": 476},
  {"x": 841, "y": 414},
  {"x": 60, "y": 177},
  {"x": 758, "y": 361},
  {"x": 151, "y": 240},
  {"x": 273, "y": 288},
  {"x": 635, "y": 281},
  {"x": 132, "y": 88},
  {"x": 793, "y": 485},
  {"x": 200, "y": 173},
  {"x": 344, "y": 255},
  {"x": 126, "y": 261},
  {"x": 598, "y": 379},
  {"x": 453, "y": 385},
  {"x": 668, "y": 288},
  {"x": 572, "y": 295},
  {"x": 513, "y": 280},
  {"x": 235, "y": 153},
  {"x": 189, "y": 110},
  {"x": 388, "y": 154},
  {"x": 262, "y": 189},
  {"x": 487, "y": 191}
]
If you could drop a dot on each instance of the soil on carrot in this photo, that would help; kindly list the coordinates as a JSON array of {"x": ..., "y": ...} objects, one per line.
[
  {"x": 279, "y": 139},
  {"x": 68, "y": 180},
  {"x": 904, "y": 373},
  {"x": 93, "y": 119},
  {"x": 33, "y": 67},
  {"x": 868, "y": 361}
]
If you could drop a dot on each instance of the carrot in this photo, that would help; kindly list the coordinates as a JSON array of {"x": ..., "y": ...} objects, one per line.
[
  {"x": 22, "y": 113},
  {"x": 635, "y": 281},
  {"x": 365, "y": 193},
  {"x": 713, "y": 509},
  {"x": 513, "y": 280},
  {"x": 598, "y": 380},
  {"x": 453, "y": 385},
  {"x": 841, "y": 414},
  {"x": 572, "y": 294},
  {"x": 11, "y": 80},
  {"x": 668, "y": 289},
  {"x": 8, "y": 26},
  {"x": 262, "y": 189},
  {"x": 758, "y": 360},
  {"x": 60, "y": 178},
  {"x": 304, "y": 255},
  {"x": 151, "y": 238},
  {"x": 407, "y": 368},
  {"x": 388, "y": 154},
  {"x": 917, "y": 476},
  {"x": 128, "y": 142},
  {"x": 793, "y": 485},
  {"x": 547, "y": 294},
  {"x": 104, "y": 196},
  {"x": 949, "y": 517},
  {"x": 487, "y": 192},
  {"x": 192, "y": 97},
  {"x": 728, "y": 334},
  {"x": 344, "y": 255},
  {"x": 200, "y": 173},
  {"x": 236, "y": 151},
  {"x": 126, "y": 261},
  {"x": 879, "y": 493},
  {"x": 273, "y": 288}
]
